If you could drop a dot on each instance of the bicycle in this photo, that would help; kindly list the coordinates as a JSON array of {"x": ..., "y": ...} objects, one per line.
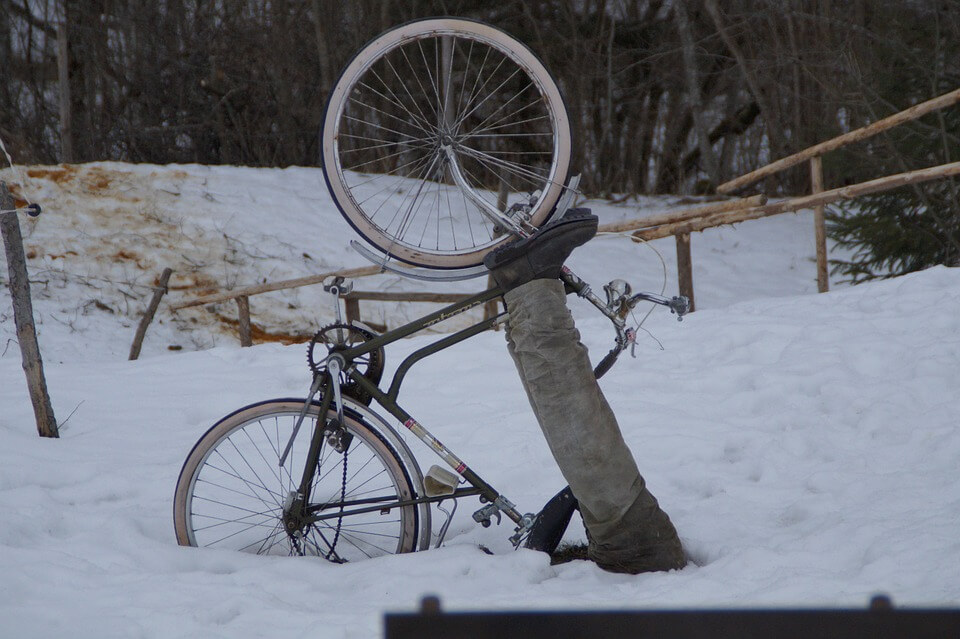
[{"x": 448, "y": 174}]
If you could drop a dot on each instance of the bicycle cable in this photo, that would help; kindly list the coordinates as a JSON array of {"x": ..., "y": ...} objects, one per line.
[{"x": 663, "y": 287}]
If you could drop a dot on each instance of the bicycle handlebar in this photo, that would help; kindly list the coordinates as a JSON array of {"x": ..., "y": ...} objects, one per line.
[{"x": 619, "y": 303}]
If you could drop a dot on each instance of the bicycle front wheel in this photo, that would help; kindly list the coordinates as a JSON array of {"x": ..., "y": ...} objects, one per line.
[
  {"x": 232, "y": 491},
  {"x": 426, "y": 95}
]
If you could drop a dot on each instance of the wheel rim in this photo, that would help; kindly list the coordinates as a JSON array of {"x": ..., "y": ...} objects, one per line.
[
  {"x": 236, "y": 495},
  {"x": 430, "y": 85}
]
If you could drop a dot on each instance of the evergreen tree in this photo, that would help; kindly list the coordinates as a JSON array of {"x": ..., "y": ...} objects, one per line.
[{"x": 913, "y": 227}]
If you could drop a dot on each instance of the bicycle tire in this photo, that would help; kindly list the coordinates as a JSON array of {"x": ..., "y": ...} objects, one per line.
[
  {"x": 231, "y": 489},
  {"x": 386, "y": 123}
]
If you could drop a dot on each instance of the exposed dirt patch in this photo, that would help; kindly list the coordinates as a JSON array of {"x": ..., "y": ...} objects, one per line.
[
  {"x": 125, "y": 255},
  {"x": 199, "y": 284},
  {"x": 59, "y": 256},
  {"x": 92, "y": 180},
  {"x": 260, "y": 336},
  {"x": 97, "y": 179},
  {"x": 59, "y": 175}
]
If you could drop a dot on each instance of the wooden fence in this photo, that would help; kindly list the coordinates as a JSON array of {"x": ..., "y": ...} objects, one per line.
[
  {"x": 679, "y": 224},
  {"x": 351, "y": 300}
]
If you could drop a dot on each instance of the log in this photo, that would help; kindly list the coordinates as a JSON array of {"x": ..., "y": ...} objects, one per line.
[
  {"x": 804, "y": 202},
  {"x": 243, "y": 315},
  {"x": 23, "y": 317},
  {"x": 683, "y": 214},
  {"x": 275, "y": 286},
  {"x": 819, "y": 225},
  {"x": 914, "y": 112},
  {"x": 149, "y": 313}
]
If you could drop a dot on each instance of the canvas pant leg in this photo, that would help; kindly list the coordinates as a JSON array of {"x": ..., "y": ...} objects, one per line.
[{"x": 626, "y": 527}]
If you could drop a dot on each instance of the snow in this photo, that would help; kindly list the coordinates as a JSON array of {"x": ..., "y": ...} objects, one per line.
[{"x": 805, "y": 445}]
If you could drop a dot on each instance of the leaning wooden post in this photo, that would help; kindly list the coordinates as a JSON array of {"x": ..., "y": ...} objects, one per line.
[
  {"x": 243, "y": 308},
  {"x": 820, "y": 232},
  {"x": 23, "y": 317},
  {"x": 685, "y": 267},
  {"x": 149, "y": 313}
]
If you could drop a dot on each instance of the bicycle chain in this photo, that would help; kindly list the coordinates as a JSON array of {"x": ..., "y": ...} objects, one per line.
[{"x": 343, "y": 495}]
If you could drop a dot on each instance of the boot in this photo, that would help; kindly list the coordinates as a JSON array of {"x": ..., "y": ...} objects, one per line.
[
  {"x": 541, "y": 255},
  {"x": 627, "y": 530},
  {"x": 645, "y": 540}
]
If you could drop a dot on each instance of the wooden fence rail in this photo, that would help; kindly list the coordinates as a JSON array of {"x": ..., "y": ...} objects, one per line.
[
  {"x": 912, "y": 113},
  {"x": 256, "y": 289},
  {"x": 804, "y": 202}
]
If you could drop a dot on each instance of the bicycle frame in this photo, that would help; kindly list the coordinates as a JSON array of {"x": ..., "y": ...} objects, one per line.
[
  {"x": 343, "y": 360},
  {"x": 497, "y": 502}
]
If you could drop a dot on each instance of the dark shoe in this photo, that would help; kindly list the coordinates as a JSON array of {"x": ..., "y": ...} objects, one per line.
[{"x": 541, "y": 255}]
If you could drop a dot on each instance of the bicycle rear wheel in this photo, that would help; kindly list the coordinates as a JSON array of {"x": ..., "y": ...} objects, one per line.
[
  {"x": 427, "y": 94},
  {"x": 231, "y": 491}
]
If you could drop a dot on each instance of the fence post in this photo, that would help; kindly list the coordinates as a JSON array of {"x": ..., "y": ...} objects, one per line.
[
  {"x": 490, "y": 309},
  {"x": 23, "y": 317},
  {"x": 685, "y": 267},
  {"x": 351, "y": 307},
  {"x": 149, "y": 313},
  {"x": 820, "y": 232},
  {"x": 243, "y": 309}
]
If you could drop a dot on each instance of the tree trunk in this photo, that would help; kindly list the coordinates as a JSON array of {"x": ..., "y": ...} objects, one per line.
[{"x": 692, "y": 78}]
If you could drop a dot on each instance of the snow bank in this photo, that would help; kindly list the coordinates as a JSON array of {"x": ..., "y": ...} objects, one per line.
[{"x": 805, "y": 445}]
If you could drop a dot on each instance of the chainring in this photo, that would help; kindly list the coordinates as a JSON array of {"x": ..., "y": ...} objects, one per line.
[{"x": 340, "y": 337}]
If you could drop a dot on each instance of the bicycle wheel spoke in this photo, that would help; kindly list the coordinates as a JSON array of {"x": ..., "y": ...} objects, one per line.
[
  {"x": 250, "y": 485},
  {"x": 266, "y": 515},
  {"x": 273, "y": 538},
  {"x": 403, "y": 84},
  {"x": 256, "y": 475},
  {"x": 411, "y": 118},
  {"x": 419, "y": 162},
  {"x": 513, "y": 167},
  {"x": 484, "y": 132},
  {"x": 516, "y": 95},
  {"x": 484, "y": 101}
]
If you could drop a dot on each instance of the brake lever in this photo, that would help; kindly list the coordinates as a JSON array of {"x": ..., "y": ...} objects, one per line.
[{"x": 679, "y": 305}]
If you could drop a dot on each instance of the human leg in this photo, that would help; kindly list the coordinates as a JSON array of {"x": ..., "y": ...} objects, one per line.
[{"x": 627, "y": 530}]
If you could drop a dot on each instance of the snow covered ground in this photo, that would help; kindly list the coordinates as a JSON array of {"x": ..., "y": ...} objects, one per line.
[{"x": 806, "y": 446}]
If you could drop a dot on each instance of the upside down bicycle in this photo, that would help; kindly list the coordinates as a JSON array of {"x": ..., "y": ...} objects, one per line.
[{"x": 443, "y": 139}]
